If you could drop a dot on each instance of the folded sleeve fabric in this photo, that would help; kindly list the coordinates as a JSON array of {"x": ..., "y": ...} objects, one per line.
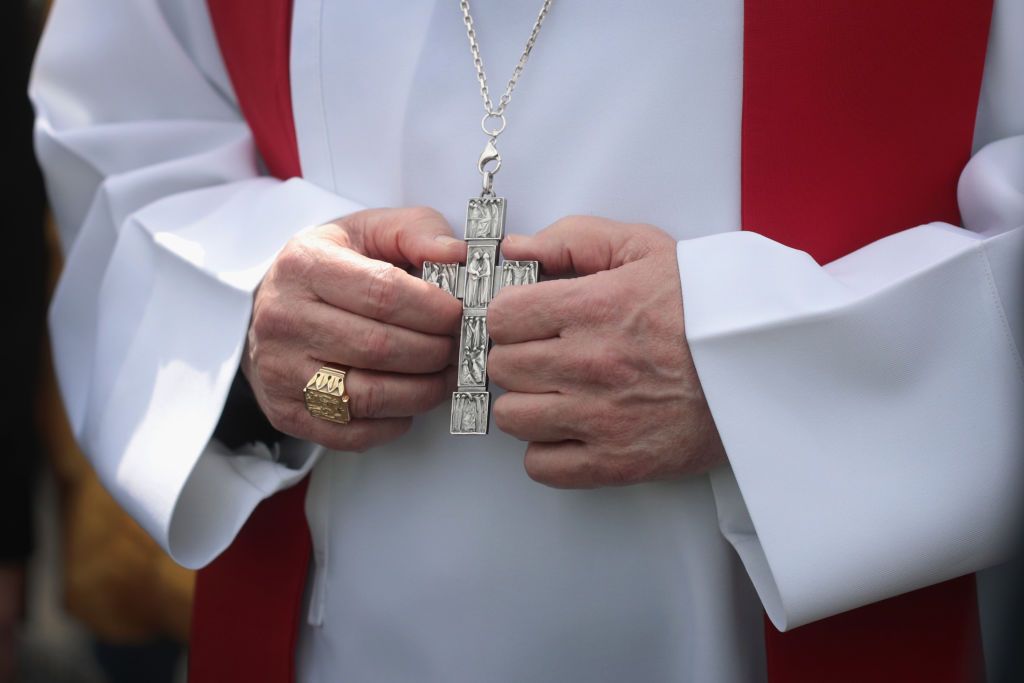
[
  {"x": 870, "y": 408},
  {"x": 168, "y": 224}
]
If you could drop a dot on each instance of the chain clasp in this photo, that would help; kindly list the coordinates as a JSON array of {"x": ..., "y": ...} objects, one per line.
[{"x": 490, "y": 155}]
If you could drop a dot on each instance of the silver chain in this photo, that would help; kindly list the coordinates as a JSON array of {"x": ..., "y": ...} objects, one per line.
[{"x": 485, "y": 94}]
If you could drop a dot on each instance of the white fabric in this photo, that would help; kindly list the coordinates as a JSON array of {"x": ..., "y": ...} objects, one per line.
[
  {"x": 435, "y": 557},
  {"x": 168, "y": 229}
]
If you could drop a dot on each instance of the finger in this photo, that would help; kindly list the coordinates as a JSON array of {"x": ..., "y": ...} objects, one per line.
[
  {"x": 356, "y": 436},
  {"x": 352, "y": 340},
  {"x": 281, "y": 381},
  {"x": 536, "y": 367},
  {"x": 538, "y": 311},
  {"x": 563, "y": 465},
  {"x": 536, "y": 417},
  {"x": 377, "y": 394},
  {"x": 407, "y": 236},
  {"x": 583, "y": 245},
  {"x": 380, "y": 291}
]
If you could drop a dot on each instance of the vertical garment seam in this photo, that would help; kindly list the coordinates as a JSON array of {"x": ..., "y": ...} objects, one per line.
[
  {"x": 1000, "y": 312},
  {"x": 320, "y": 93},
  {"x": 406, "y": 131},
  {"x": 317, "y": 504}
]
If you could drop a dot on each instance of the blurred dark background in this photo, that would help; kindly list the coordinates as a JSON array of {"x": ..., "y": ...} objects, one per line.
[{"x": 85, "y": 595}]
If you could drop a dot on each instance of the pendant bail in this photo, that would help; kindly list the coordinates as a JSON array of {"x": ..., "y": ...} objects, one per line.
[{"x": 490, "y": 154}]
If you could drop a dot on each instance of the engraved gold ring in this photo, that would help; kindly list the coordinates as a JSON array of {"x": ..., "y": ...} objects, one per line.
[{"x": 325, "y": 395}]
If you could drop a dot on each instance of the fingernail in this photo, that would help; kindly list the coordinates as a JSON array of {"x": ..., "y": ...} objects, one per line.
[{"x": 446, "y": 240}]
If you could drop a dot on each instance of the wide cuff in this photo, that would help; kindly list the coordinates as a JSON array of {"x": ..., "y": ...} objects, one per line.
[
  {"x": 868, "y": 409},
  {"x": 174, "y": 307}
]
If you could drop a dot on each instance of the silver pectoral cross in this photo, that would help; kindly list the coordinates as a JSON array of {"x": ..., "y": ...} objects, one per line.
[{"x": 476, "y": 283}]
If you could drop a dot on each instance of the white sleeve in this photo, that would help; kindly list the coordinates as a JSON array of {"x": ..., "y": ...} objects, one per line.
[
  {"x": 168, "y": 226},
  {"x": 871, "y": 408}
]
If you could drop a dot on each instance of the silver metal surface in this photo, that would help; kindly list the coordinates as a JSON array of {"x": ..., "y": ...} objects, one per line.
[
  {"x": 518, "y": 273},
  {"x": 470, "y": 412},
  {"x": 481, "y": 268},
  {"x": 485, "y": 218},
  {"x": 476, "y": 283},
  {"x": 473, "y": 346},
  {"x": 444, "y": 275},
  {"x": 481, "y": 74}
]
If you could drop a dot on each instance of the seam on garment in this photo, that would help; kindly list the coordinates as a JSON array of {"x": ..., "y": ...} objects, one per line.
[
  {"x": 997, "y": 301},
  {"x": 318, "y": 518},
  {"x": 318, "y": 33}
]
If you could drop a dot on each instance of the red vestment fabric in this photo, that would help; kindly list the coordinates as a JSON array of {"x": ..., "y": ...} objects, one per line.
[{"x": 857, "y": 120}]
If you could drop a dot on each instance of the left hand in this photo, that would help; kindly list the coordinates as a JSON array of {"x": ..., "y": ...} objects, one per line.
[{"x": 599, "y": 375}]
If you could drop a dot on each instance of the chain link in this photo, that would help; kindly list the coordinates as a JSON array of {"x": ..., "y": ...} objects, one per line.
[{"x": 478, "y": 62}]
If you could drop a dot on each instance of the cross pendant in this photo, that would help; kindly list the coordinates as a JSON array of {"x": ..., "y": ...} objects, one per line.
[{"x": 476, "y": 283}]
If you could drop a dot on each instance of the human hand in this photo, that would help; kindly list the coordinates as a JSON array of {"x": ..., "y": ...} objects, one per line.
[
  {"x": 337, "y": 294},
  {"x": 600, "y": 379}
]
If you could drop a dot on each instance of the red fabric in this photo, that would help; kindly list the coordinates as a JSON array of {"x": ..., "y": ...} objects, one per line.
[
  {"x": 858, "y": 117},
  {"x": 248, "y": 602},
  {"x": 245, "y": 618},
  {"x": 857, "y": 121},
  {"x": 931, "y": 635},
  {"x": 255, "y": 42}
]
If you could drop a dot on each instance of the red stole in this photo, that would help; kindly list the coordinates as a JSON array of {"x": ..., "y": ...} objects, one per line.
[{"x": 857, "y": 120}]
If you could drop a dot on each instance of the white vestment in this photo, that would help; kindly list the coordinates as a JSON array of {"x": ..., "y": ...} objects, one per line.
[{"x": 866, "y": 406}]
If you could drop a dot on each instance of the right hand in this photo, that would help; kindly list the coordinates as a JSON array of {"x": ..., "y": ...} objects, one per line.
[{"x": 336, "y": 294}]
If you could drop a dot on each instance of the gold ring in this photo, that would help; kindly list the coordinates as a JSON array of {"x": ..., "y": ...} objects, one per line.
[{"x": 326, "y": 397}]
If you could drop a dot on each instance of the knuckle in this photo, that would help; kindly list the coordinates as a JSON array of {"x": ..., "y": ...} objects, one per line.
[
  {"x": 612, "y": 366},
  {"x": 270, "y": 371},
  {"x": 287, "y": 420},
  {"x": 499, "y": 325},
  {"x": 419, "y": 215},
  {"x": 504, "y": 415},
  {"x": 272, "y": 319},
  {"x": 436, "y": 354},
  {"x": 432, "y": 394},
  {"x": 497, "y": 365},
  {"x": 579, "y": 474},
  {"x": 382, "y": 290},
  {"x": 622, "y": 471},
  {"x": 570, "y": 222},
  {"x": 295, "y": 260},
  {"x": 372, "y": 399},
  {"x": 535, "y": 468},
  {"x": 377, "y": 345},
  {"x": 358, "y": 440}
]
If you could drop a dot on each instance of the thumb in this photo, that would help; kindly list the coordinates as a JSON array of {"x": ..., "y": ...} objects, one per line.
[
  {"x": 584, "y": 245},
  {"x": 407, "y": 236}
]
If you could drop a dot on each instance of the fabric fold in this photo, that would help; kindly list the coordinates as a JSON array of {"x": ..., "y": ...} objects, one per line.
[{"x": 867, "y": 406}]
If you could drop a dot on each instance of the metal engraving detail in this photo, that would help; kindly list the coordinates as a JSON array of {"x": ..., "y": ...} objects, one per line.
[
  {"x": 326, "y": 397},
  {"x": 480, "y": 269},
  {"x": 473, "y": 351},
  {"x": 485, "y": 218},
  {"x": 518, "y": 273},
  {"x": 470, "y": 412},
  {"x": 476, "y": 283},
  {"x": 444, "y": 275}
]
